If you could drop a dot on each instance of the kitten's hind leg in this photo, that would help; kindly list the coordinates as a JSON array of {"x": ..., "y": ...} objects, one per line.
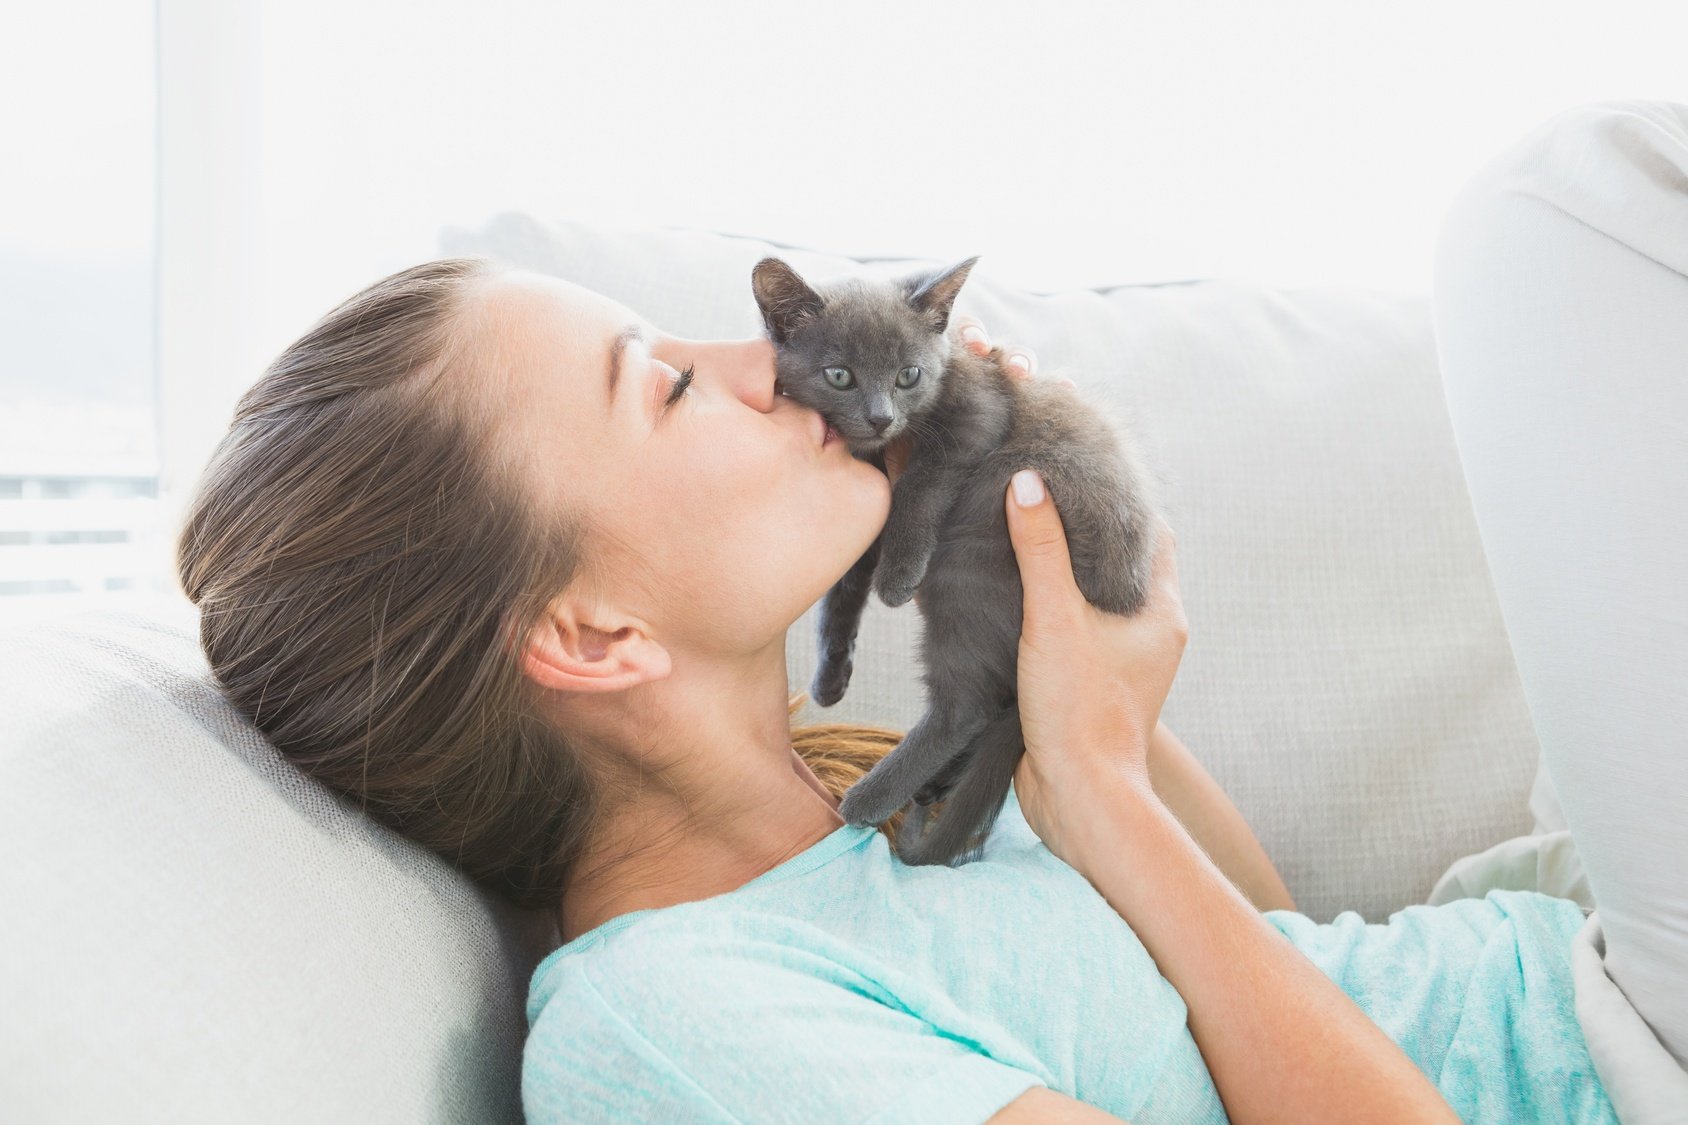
[
  {"x": 972, "y": 806},
  {"x": 944, "y": 730},
  {"x": 915, "y": 820},
  {"x": 944, "y": 780},
  {"x": 840, "y": 618}
]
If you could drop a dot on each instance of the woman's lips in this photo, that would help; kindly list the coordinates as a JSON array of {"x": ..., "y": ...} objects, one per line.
[{"x": 827, "y": 433}]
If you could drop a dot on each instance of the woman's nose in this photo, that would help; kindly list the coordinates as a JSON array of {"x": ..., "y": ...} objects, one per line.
[
  {"x": 753, "y": 372},
  {"x": 741, "y": 367}
]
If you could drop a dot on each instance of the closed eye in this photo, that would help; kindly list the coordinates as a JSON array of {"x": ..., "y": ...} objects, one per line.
[{"x": 680, "y": 387}]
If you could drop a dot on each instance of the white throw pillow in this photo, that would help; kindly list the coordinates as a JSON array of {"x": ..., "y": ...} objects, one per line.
[{"x": 196, "y": 931}]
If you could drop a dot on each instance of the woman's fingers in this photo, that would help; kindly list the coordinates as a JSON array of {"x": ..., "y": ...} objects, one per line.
[
  {"x": 1164, "y": 576},
  {"x": 1020, "y": 359},
  {"x": 971, "y": 333},
  {"x": 1040, "y": 547}
]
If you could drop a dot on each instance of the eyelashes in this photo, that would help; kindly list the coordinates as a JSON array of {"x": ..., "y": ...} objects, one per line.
[{"x": 680, "y": 385}]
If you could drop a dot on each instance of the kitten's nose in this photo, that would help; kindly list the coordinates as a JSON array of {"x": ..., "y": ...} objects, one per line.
[{"x": 879, "y": 422}]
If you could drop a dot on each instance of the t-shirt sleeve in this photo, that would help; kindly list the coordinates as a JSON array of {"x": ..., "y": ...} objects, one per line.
[{"x": 751, "y": 1032}]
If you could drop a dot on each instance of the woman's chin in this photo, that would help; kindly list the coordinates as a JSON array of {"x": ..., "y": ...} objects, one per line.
[
  {"x": 864, "y": 532},
  {"x": 874, "y": 480},
  {"x": 883, "y": 487}
]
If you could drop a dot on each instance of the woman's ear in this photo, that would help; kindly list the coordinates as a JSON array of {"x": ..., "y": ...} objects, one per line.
[{"x": 580, "y": 647}]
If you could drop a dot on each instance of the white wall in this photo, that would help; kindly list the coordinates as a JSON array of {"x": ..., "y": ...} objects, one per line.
[{"x": 1070, "y": 144}]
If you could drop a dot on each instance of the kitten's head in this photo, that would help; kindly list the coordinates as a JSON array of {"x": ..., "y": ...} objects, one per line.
[{"x": 869, "y": 355}]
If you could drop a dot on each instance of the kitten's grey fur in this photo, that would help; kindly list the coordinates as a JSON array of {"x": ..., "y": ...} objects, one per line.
[{"x": 945, "y": 542}]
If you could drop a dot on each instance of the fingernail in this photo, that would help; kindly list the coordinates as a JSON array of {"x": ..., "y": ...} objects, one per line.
[
  {"x": 1018, "y": 359},
  {"x": 973, "y": 334},
  {"x": 1028, "y": 488}
]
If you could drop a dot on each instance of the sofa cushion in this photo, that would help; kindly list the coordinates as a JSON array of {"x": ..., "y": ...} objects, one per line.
[
  {"x": 1347, "y": 679},
  {"x": 195, "y": 931}
]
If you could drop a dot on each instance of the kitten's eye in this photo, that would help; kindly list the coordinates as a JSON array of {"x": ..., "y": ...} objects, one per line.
[
  {"x": 839, "y": 377},
  {"x": 908, "y": 376}
]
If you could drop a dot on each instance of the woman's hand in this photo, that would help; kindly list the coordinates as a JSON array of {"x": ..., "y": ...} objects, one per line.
[
  {"x": 967, "y": 331},
  {"x": 1091, "y": 683}
]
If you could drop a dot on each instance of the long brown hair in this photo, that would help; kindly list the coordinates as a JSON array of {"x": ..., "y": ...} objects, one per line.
[{"x": 360, "y": 558}]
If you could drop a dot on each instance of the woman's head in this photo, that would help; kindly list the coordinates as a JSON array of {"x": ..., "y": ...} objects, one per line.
[
  {"x": 711, "y": 521},
  {"x": 430, "y": 542}
]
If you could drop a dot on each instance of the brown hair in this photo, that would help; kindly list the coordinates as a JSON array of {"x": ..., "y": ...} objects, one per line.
[{"x": 361, "y": 559}]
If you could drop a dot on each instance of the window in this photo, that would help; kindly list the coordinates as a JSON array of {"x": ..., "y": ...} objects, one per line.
[{"x": 78, "y": 421}]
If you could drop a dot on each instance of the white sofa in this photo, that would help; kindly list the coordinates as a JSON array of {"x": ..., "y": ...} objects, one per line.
[{"x": 196, "y": 932}]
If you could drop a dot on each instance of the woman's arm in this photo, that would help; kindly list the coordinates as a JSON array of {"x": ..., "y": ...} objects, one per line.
[
  {"x": 1197, "y": 800},
  {"x": 1282, "y": 1041}
]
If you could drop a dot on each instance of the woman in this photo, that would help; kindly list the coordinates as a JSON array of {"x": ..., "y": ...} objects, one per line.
[{"x": 514, "y": 568}]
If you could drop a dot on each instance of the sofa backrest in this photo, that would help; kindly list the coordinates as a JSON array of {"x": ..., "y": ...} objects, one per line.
[{"x": 1348, "y": 679}]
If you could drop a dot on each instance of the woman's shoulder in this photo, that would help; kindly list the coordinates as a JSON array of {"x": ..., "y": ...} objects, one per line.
[
  {"x": 756, "y": 930},
  {"x": 708, "y": 940},
  {"x": 698, "y": 1012}
]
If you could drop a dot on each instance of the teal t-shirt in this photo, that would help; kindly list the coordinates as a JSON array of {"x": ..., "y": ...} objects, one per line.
[{"x": 844, "y": 985}]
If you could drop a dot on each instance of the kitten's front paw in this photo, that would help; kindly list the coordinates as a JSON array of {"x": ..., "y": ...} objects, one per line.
[
  {"x": 896, "y": 585},
  {"x": 863, "y": 803},
  {"x": 831, "y": 678}
]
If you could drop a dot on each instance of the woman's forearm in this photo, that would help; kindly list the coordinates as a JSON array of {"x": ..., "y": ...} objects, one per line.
[
  {"x": 1282, "y": 1041},
  {"x": 1208, "y": 814}
]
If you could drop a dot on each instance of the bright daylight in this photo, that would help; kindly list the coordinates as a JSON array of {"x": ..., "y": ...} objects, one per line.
[{"x": 885, "y": 562}]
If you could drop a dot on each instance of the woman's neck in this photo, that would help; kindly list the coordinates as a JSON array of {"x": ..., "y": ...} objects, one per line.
[{"x": 652, "y": 854}]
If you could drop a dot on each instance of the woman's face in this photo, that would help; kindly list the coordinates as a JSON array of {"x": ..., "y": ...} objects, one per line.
[{"x": 719, "y": 516}]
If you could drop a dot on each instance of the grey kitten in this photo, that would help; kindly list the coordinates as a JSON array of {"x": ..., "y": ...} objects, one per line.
[{"x": 873, "y": 358}]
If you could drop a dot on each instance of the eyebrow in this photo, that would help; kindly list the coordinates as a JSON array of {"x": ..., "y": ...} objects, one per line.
[{"x": 623, "y": 338}]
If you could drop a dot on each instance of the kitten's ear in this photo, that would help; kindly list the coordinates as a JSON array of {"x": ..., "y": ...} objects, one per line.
[
  {"x": 934, "y": 296},
  {"x": 784, "y": 298}
]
